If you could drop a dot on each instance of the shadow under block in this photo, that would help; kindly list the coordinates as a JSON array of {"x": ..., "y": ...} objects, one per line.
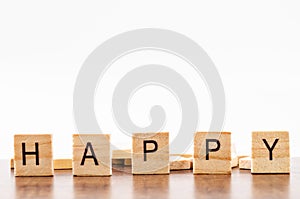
[
  {"x": 212, "y": 153},
  {"x": 33, "y": 155},
  {"x": 270, "y": 152},
  {"x": 150, "y": 153},
  {"x": 245, "y": 163},
  {"x": 91, "y": 155}
]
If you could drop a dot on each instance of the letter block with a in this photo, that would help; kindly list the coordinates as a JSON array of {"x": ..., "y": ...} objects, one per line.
[
  {"x": 150, "y": 153},
  {"x": 270, "y": 152},
  {"x": 33, "y": 155},
  {"x": 91, "y": 155},
  {"x": 212, "y": 153}
]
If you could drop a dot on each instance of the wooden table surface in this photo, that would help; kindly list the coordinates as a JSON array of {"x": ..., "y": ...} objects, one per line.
[{"x": 179, "y": 184}]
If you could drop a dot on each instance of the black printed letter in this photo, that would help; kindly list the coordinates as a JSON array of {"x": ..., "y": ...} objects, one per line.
[
  {"x": 36, "y": 153},
  {"x": 149, "y": 151},
  {"x": 211, "y": 150},
  {"x": 89, "y": 145},
  {"x": 270, "y": 149}
]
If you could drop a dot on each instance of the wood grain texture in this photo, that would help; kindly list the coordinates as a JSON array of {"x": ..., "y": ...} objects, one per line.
[
  {"x": 180, "y": 164},
  {"x": 234, "y": 161},
  {"x": 261, "y": 159},
  {"x": 234, "y": 157},
  {"x": 156, "y": 162},
  {"x": 245, "y": 163},
  {"x": 57, "y": 164},
  {"x": 62, "y": 164},
  {"x": 121, "y": 154},
  {"x": 219, "y": 162},
  {"x": 101, "y": 146},
  {"x": 41, "y": 143},
  {"x": 179, "y": 184}
]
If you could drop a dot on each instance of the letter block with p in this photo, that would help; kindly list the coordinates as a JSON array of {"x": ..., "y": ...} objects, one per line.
[
  {"x": 270, "y": 152},
  {"x": 91, "y": 155},
  {"x": 212, "y": 153},
  {"x": 33, "y": 155},
  {"x": 150, "y": 153}
]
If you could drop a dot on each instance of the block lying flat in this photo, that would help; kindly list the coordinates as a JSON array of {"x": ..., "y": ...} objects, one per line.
[
  {"x": 212, "y": 153},
  {"x": 180, "y": 164},
  {"x": 150, "y": 153},
  {"x": 245, "y": 163},
  {"x": 33, "y": 155},
  {"x": 127, "y": 162},
  {"x": 121, "y": 157},
  {"x": 234, "y": 161},
  {"x": 121, "y": 154},
  {"x": 12, "y": 166},
  {"x": 234, "y": 157},
  {"x": 91, "y": 155},
  {"x": 182, "y": 155},
  {"x": 270, "y": 152},
  {"x": 117, "y": 161},
  {"x": 61, "y": 164}
]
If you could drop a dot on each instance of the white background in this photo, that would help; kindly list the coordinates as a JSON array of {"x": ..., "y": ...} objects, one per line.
[{"x": 255, "y": 45}]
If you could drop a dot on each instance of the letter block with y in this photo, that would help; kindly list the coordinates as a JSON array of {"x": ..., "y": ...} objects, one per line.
[
  {"x": 150, "y": 153},
  {"x": 212, "y": 153},
  {"x": 91, "y": 155},
  {"x": 33, "y": 155},
  {"x": 270, "y": 152}
]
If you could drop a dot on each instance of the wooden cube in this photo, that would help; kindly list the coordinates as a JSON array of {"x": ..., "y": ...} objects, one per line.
[
  {"x": 180, "y": 164},
  {"x": 234, "y": 157},
  {"x": 234, "y": 161},
  {"x": 121, "y": 154},
  {"x": 245, "y": 163},
  {"x": 91, "y": 155},
  {"x": 127, "y": 162},
  {"x": 117, "y": 161},
  {"x": 212, "y": 153},
  {"x": 270, "y": 152},
  {"x": 33, "y": 155},
  {"x": 62, "y": 164},
  {"x": 150, "y": 153}
]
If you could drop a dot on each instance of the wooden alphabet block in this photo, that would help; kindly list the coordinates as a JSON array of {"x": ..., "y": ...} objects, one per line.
[
  {"x": 121, "y": 154},
  {"x": 117, "y": 161},
  {"x": 212, "y": 153},
  {"x": 62, "y": 164},
  {"x": 33, "y": 155},
  {"x": 12, "y": 166},
  {"x": 234, "y": 161},
  {"x": 58, "y": 164},
  {"x": 180, "y": 164},
  {"x": 234, "y": 157},
  {"x": 245, "y": 163},
  {"x": 184, "y": 155},
  {"x": 91, "y": 155},
  {"x": 127, "y": 162},
  {"x": 270, "y": 152},
  {"x": 150, "y": 153}
]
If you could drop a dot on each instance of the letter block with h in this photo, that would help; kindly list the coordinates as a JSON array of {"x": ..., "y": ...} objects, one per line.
[
  {"x": 33, "y": 155},
  {"x": 212, "y": 153},
  {"x": 270, "y": 152},
  {"x": 150, "y": 153}
]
